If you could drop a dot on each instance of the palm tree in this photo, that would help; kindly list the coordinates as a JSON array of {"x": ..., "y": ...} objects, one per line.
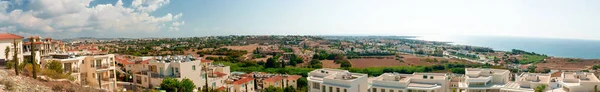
[
  {"x": 15, "y": 58},
  {"x": 540, "y": 88}
]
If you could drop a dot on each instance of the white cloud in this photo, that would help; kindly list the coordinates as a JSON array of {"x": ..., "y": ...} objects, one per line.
[{"x": 67, "y": 16}]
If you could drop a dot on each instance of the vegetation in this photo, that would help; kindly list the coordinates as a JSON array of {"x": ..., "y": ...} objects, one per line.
[
  {"x": 530, "y": 58},
  {"x": 540, "y": 88},
  {"x": 173, "y": 85},
  {"x": 468, "y": 56},
  {"x": 450, "y": 67}
]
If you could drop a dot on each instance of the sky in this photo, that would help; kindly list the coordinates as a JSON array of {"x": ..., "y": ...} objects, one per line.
[{"x": 571, "y": 19}]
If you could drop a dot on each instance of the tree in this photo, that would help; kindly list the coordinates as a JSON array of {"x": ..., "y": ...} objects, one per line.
[
  {"x": 186, "y": 85},
  {"x": 289, "y": 89},
  {"x": 6, "y": 52},
  {"x": 15, "y": 58},
  {"x": 33, "y": 61},
  {"x": 315, "y": 64},
  {"x": 169, "y": 84},
  {"x": 55, "y": 66},
  {"x": 271, "y": 63},
  {"x": 540, "y": 88}
]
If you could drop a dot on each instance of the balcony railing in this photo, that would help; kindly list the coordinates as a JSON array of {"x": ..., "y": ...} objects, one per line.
[{"x": 156, "y": 75}]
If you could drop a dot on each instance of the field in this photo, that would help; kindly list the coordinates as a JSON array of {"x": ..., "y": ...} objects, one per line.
[
  {"x": 567, "y": 64},
  {"x": 527, "y": 59},
  {"x": 408, "y": 60},
  {"x": 329, "y": 64},
  {"x": 248, "y": 48}
]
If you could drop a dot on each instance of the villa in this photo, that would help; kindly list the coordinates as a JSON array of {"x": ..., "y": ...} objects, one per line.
[
  {"x": 335, "y": 80},
  {"x": 417, "y": 82},
  {"x": 578, "y": 81},
  {"x": 484, "y": 80}
]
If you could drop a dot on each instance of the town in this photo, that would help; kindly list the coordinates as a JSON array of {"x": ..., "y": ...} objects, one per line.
[{"x": 277, "y": 63}]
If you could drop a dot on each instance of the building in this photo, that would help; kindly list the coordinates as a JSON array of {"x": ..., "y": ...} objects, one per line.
[
  {"x": 44, "y": 47},
  {"x": 335, "y": 80},
  {"x": 417, "y": 82},
  {"x": 92, "y": 70},
  {"x": 240, "y": 84},
  {"x": 281, "y": 81},
  {"x": 527, "y": 82},
  {"x": 8, "y": 40},
  {"x": 484, "y": 80},
  {"x": 578, "y": 81},
  {"x": 200, "y": 71}
]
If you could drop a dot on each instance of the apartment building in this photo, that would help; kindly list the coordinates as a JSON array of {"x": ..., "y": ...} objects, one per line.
[
  {"x": 170, "y": 66},
  {"x": 527, "y": 82},
  {"x": 335, "y": 80},
  {"x": 417, "y": 82},
  {"x": 484, "y": 80},
  {"x": 9, "y": 41},
  {"x": 90, "y": 70},
  {"x": 44, "y": 47},
  {"x": 578, "y": 81}
]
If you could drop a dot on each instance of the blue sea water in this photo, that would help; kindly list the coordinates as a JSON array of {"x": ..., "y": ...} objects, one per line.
[{"x": 571, "y": 48}]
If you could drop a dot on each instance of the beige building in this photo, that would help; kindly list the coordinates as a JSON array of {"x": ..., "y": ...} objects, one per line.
[
  {"x": 484, "y": 80},
  {"x": 44, "y": 47},
  {"x": 8, "y": 40},
  {"x": 281, "y": 81},
  {"x": 90, "y": 70},
  {"x": 335, "y": 80},
  {"x": 417, "y": 82},
  {"x": 527, "y": 82},
  {"x": 239, "y": 84},
  {"x": 578, "y": 81}
]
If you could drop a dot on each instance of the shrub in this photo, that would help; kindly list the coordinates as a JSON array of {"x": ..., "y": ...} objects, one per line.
[{"x": 8, "y": 84}]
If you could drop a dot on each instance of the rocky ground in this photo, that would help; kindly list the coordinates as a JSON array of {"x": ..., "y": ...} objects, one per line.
[{"x": 9, "y": 82}]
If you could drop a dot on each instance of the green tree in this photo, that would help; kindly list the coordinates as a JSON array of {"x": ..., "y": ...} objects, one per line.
[
  {"x": 55, "y": 66},
  {"x": 9, "y": 63},
  {"x": 169, "y": 84},
  {"x": 315, "y": 64},
  {"x": 540, "y": 88},
  {"x": 289, "y": 89},
  {"x": 273, "y": 89},
  {"x": 186, "y": 85}
]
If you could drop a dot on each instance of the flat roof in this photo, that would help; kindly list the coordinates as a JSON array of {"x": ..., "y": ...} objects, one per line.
[{"x": 589, "y": 77}]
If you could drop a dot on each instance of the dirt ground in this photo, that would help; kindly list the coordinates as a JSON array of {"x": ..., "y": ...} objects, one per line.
[
  {"x": 329, "y": 64},
  {"x": 248, "y": 48},
  {"x": 564, "y": 64},
  {"x": 409, "y": 60}
]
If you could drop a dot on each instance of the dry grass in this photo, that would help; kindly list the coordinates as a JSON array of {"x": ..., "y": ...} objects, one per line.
[
  {"x": 329, "y": 64},
  {"x": 564, "y": 64}
]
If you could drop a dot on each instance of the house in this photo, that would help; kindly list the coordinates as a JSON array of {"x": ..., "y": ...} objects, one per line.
[
  {"x": 416, "y": 82},
  {"x": 335, "y": 80},
  {"x": 281, "y": 81},
  {"x": 484, "y": 80},
  {"x": 240, "y": 84},
  {"x": 8, "y": 40},
  {"x": 527, "y": 82},
  {"x": 578, "y": 81}
]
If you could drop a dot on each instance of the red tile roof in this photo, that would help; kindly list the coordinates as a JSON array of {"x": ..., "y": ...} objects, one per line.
[
  {"x": 27, "y": 43},
  {"x": 294, "y": 77},
  {"x": 123, "y": 60},
  {"x": 243, "y": 80},
  {"x": 206, "y": 61},
  {"x": 221, "y": 88},
  {"x": 273, "y": 79},
  {"x": 10, "y": 36},
  {"x": 219, "y": 74}
]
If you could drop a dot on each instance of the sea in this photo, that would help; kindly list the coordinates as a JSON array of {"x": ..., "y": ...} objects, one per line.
[{"x": 568, "y": 48}]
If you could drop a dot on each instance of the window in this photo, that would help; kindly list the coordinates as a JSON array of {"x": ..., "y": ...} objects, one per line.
[
  {"x": 315, "y": 85},
  {"x": 345, "y": 90},
  {"x": 337, "y": 89},
  {"x": 193, "y": 67},
  {"x": 391, "y": 90},
  {"x": 382, "y": 90},
  {"x": 374, "y": 89},
  {"x": 323, "y": 89},
  {"x": 330, "y": 89}
]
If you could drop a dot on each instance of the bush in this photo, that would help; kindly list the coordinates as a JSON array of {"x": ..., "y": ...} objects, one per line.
[
  {"x": 10, "y": 64},
  {"x": 8, "y": 84}
]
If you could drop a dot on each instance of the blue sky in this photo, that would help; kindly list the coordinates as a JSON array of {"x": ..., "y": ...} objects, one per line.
[{"x": 573, "y": 19}]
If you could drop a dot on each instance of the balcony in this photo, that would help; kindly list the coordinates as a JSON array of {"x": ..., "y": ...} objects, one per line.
[{"x": 156, "y": 75}]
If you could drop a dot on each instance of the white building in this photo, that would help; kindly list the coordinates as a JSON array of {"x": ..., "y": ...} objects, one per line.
[
  {"x": 417, "y": 82},
  {"x": 578, "y": 81},
  {"x": 484, "y": 80},
  {"x": 335, "y": 80},
  {"x": 527, "y": 82},
  {"x": 7, "y": 40}
]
